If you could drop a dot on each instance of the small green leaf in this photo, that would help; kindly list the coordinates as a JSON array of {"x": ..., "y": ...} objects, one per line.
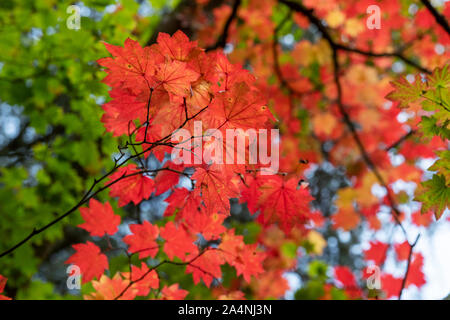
[
  {"x": 406, "y": 92},
  {"x": 435, "y": 195}
]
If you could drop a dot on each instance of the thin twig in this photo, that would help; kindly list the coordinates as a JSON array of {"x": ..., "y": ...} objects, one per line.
[
  {"x": 132, "y": 282},
  {"x": 400, "y": 140},
  {"x": 222, "y": 40},
  {"x": 441, "y": 20},
  {"x": 411, "y": 247},
  {"x": 89, "y": 194}
]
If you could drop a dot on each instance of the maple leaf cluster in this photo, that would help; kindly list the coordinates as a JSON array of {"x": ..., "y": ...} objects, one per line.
[
  {"x": 157, "y": 90},
  {"x": 353, "y": 118},
  {"x": 331, "y": 86}
]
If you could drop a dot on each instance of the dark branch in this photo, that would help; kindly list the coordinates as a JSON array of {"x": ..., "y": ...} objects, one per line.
[
  {"x": 276, "y": 64},
  {"x": 437, "y": 16},
  {"x": 132, "y": 282},
  {"x": 400, "y": 140},
  {"x": 309, "y": 13},
  {"x": 90, "y": 194},
  {"x": 411, "y": 247},
  {"x": 222, "y": 40}
]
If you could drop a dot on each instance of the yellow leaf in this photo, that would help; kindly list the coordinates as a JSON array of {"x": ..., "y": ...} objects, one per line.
[
  {"x": 335, "y": 18},
  {"x": 318, "y": 242},
  {"x": 353, "y": 27}
]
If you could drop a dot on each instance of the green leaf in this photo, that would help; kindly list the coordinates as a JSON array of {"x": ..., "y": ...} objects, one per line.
[
  {"x": 435, "y": 195},
  {"x": 430, "y": 127},
  {"x": 406, "y": 92},
  {"x": 289, "y": 249},
  {"x": 442, "y": 165}
]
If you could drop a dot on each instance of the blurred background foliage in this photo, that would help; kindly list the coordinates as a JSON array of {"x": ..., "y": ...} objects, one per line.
[{"x": 52, "y": 143}]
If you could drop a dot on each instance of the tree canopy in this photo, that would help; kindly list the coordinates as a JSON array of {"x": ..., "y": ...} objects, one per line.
[{"x": 114, "y": 164}]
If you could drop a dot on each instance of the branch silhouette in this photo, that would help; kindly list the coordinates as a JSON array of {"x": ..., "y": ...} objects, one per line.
[
  {"x": 335, "y": 48},
  {"x": 117, "y": 164},
  {"x": 441, "y": 20},
  {"x": 132, "y": 282},
  {"x": 222, "y": 39},
  {"x": 411, "y": 247}
]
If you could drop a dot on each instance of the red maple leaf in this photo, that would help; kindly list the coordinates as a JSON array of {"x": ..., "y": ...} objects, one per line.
[
  {"x": 142, "y": 239},
  {"x": 249, "y": 262},
  {"x": 130, "y": 65},
  {"x": 121, "y": 112},
  {"x": 180, "y": 200},
  {"x": 216, "y": 186},
  {"x": 177, "y": 46},
  {"x": 377, "y": 252},
  {"x": 237, "y": 108},
  {"x": 2, "y": 287},
  {"x": 422, "y": 219},
  {"x": 178, "y": 242},
  {"x": 284, "y": 202},
  {"x": 210, "y": 226},
  {"x": 415, "y": 274},
  {"x": 144, "y": 280},
  {"x": 166, "y": 179},
  {"x": 173, "y": 292},
  {"x": 345, "y": 276},
  {"x": 246, "y": 259},
  {"x": 231, "y": 245},
  {"x": 175, "y": 77},
  {"x": 391, "y": 285},
  {"x": 100, "y": 219},
  {"x": 250, "y": 192},
  {"x": 135, "y": 187},
  {"x": 154, "y": 134},
  {"x": 228, "y": 74},
  {"x": 111, "y": 289},
  {"x": 206, "y": 267},
  {"x": 89, "y": 259},
  {"x": 402, "y": 250}
]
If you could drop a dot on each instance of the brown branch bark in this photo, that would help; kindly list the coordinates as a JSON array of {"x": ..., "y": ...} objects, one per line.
[{"x": 411, "y": 247}]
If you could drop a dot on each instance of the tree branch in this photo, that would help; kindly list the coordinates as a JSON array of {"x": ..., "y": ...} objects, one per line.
[
  {"x": 222, "y": 39},
  {"x": 276, "y": 64},
  {"x": 400, "y": 140},
  {"x": 309, "y": 13},
  {"x": 437, "y": 16},
  {"x": 411, "y": 247},
  {"x": 132, "y": 282},
  {"x": 88, "y": 195}
]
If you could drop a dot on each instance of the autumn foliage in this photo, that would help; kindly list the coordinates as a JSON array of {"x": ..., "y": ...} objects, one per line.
[{"x": 333, "y": 97}]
